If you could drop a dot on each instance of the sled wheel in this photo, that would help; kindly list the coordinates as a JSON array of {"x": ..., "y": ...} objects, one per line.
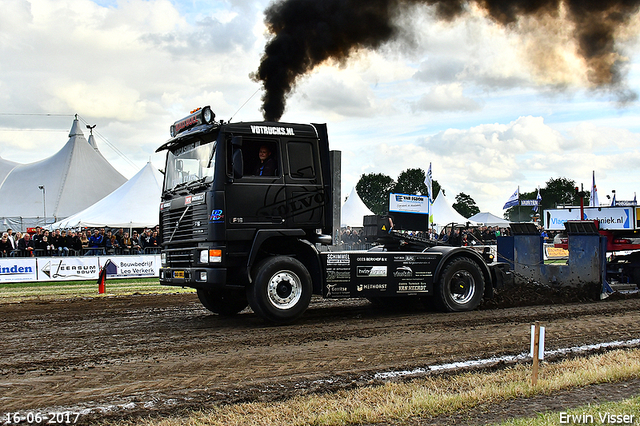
[
  {"x": 281, "y": 289},
  {"x": 460, "y": 287}
]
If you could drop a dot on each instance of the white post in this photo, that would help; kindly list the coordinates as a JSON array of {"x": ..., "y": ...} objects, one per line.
[{"x": 537, "y": 350}]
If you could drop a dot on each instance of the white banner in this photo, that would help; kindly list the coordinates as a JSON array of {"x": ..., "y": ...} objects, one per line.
[
  {"x": 404, "y": 203},
  {"x": 608, "y": 217},
  {"x": 132, "y": 266},
  {"x": 611, "y": 217},
  {"x": 13, "y": 269},
  {"x": 554, "y": 219},
  {"x": 68, "y": 268}
]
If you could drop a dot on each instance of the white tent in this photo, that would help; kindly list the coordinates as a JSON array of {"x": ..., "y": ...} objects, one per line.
[
  {"x": 56, "y": 187},
  {"x": 5, "y": 168},
  {"x": 353, "y": 211},
  {"x": 489, "y": 219},
  {"x": 133, "y": 205},
  {"x": 442, "y": 214}
]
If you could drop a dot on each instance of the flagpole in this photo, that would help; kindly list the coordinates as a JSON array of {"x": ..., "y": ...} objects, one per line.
[{"x": 519, "y": 206}]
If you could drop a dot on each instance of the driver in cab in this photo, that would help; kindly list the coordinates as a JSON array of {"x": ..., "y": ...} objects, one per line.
[{"x": 267, "y": 165}]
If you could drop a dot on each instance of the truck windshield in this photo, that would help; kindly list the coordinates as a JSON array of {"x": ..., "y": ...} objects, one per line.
[{"x": 194, "y": 162}]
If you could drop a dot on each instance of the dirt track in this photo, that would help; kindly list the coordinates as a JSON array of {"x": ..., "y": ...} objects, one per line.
[{"x": 164, "y": 353}]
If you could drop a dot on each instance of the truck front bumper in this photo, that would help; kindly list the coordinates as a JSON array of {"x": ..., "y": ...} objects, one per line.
[{"x": 199, "y": 277}]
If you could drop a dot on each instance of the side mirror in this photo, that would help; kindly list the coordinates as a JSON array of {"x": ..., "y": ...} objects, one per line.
[{"x": 236, "y": 141}]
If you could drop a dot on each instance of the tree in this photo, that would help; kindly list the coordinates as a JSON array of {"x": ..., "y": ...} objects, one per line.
[
  {"x": 557, "y": 192},
  {"x": 411, "y": 181},
  {"x": 465, "y": 205},
  {"x": 374, "y": 189}
]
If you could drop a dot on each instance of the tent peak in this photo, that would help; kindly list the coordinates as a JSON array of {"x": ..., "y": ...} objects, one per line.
[
  {"x": 92, "y": 142},
  {"x": 75, "y": 128}
]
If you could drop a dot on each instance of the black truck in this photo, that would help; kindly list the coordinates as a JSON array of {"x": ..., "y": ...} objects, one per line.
[{"x": 241, "y": 236}]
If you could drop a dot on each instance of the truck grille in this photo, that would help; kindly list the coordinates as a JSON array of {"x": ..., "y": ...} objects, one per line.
[
  {"x": 192, "y": 227},
  {"x": 179, "y": 258}
]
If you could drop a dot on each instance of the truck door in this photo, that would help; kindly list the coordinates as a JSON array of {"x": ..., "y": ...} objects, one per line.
[
  {"x": 303, "y": 179},
  {"x": 256, "y": 200}
]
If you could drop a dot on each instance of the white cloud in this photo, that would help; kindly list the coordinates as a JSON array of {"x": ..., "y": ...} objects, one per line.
[
  {"x": 489, "y": 161},
  {"x": 468, "y": 96},
  {"x": 448, "y": 97}
]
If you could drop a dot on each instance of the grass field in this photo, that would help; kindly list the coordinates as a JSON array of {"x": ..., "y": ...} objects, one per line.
[
  {"x": 403, "y": 403},
  {"x": 15, "y": 292},
  {"x": 624, "y": 412}
]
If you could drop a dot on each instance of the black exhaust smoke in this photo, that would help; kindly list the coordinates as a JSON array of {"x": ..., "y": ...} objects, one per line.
[{"x": 307, "y": 33}]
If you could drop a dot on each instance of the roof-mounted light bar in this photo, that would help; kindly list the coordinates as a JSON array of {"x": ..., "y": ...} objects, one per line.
[{"x": 197, "y": 117}]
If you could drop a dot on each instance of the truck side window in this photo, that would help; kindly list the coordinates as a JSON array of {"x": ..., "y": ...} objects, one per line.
[
  {"x": 301, "y": 160},
  {"x": 260, "y": 157}
]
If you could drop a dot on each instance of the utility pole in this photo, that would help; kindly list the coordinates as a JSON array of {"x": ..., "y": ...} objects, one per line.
[{"x": 44, "y": 203}]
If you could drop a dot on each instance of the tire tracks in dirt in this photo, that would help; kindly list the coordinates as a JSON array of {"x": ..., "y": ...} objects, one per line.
[{"x": 166, "y": 352}]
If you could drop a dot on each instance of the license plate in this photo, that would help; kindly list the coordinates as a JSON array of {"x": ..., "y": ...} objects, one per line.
[{"x": 178, "y": 274}]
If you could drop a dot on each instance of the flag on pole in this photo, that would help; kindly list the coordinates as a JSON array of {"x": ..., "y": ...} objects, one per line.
[
  {"x": 514, "y": 200},
  {"x": 635, "y": 203},
  {"x": 428, "y": 182},
  {"x": 538, "y": 199},
  {"x": 593, "y": 200},
  {"x": 613, "y": 202}
]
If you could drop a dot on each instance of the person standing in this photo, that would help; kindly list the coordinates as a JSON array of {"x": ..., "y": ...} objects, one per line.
[{"x": 12, "y": 238}]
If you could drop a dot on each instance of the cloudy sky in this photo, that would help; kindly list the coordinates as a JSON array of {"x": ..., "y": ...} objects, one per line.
[{"x": 489, "y": 108}]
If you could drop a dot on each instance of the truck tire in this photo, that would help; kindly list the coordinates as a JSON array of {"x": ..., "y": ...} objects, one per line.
[
  {"x": 460, "y": 287},
  {"x": 223, "y": 302},
  {"x": 281, "y": 289}
]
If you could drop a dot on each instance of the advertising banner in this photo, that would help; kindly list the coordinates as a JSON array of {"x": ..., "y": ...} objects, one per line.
[
  {"x": 611, "y": 217},
  {"x": 372, "y": 274},
  {"x": 132, "y": 266},
  {"x": 608, "y": 217},
  {"x": 16, "y": 269},
  {"x": 554, "y": 219},
  {"x": 404, "y": 203},
  {"x": 67, "y": 268},
  {"x": 77, "y": 268}
]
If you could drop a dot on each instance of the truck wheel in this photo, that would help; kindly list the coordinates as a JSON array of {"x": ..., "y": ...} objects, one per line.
[
  {"x": 460, "y": 287},
  {"x": 223, "y": 302},
  {"x": 281, "y": 289}
]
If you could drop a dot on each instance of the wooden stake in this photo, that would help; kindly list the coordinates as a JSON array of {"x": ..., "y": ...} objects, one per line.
[{"x": 536, "y": 349}]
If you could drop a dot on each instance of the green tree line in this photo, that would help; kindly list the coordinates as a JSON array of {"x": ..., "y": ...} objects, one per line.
[{"x": 374, "y": 190}]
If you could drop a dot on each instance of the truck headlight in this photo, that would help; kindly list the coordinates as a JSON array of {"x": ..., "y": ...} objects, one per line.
[
  {"x": 211, "y": 256},
  {"x": 163, "y": 259},
  {"x": 215, "y": 256}
]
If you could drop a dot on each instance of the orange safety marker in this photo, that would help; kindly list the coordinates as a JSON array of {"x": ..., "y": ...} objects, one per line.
[{"x": 102, "y": 278}]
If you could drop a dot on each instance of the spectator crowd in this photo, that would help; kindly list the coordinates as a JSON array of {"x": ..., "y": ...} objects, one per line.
[{"x": 84, "y": 242}]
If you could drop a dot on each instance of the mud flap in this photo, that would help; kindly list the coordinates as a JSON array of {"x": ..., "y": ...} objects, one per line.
[{"x": 501, "y": 277}]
